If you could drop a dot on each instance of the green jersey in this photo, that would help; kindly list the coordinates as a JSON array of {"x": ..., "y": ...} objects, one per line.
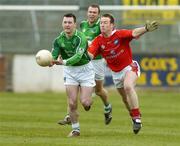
[
  {"x": 73, "y": 50},
  {"x": 91, "y": 31}
]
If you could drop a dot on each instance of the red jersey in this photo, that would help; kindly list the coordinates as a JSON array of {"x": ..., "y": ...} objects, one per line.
[{"x": 114, "y": 49}]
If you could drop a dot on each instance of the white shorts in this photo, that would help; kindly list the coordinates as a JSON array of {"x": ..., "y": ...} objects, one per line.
[
  {"x": 79, "y": 75},
  {"x": 99, "y": 69},
  {"x": 118, "y": 77}
]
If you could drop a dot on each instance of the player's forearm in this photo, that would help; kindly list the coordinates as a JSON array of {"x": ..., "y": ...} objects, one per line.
[
  {"x": 73, "y": 60},
  {"x": 139, "y": 31},
  {"x": 149, "y": 26},
  {"x": 55, "y": 50},
  {"x": 55, "y": 53}
]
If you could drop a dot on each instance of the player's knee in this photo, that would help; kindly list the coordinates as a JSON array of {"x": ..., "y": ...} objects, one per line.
[
  {"x": 72, "y": 106},
  {"x": 99, "y": 91},
  {"x": 86, "y": 103},
  {"x": 128, "y": 88}
]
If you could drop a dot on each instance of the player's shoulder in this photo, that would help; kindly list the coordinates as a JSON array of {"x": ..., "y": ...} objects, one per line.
[
  {"x": 61, "y": 34},
  {"x": 59, "y": 37},
  {"x": 83, "y": 23},
  {"x": 122, "y": 30},
  {"x": 119, "y": 30},
  {"x": 99, "y": 37},
  {"x": 124, "y": 33}
]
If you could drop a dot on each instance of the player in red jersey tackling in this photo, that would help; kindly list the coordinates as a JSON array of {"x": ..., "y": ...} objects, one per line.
[{"x": 114, "y": 46}]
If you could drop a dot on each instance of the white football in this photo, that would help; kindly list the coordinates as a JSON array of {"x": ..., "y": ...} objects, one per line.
[{"x": 44, "y": 58}]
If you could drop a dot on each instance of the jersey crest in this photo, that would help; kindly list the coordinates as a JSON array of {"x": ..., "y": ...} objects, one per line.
[{"x": 116, "y": 42}]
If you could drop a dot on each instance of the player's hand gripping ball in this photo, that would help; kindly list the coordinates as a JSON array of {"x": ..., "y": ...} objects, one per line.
[{"x": 44, "y": 58}]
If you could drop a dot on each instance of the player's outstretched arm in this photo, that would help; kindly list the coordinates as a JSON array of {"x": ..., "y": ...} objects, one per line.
[{"x": 149, "y": 26}]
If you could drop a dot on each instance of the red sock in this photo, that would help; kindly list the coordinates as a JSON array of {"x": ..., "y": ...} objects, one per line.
[{"x": 135, "y": 113}]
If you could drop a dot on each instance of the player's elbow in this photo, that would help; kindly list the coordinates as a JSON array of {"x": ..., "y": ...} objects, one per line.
[{"x": 135, "y": 34}]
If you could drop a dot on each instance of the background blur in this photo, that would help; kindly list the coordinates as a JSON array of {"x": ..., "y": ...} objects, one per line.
[{"x": 23, "y": 33}]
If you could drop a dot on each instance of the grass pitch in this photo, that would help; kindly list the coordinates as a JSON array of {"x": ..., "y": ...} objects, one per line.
[{"x": 31, "y": 120}]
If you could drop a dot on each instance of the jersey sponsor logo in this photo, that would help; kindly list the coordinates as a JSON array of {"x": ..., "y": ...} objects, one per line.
[
  {"x": 112, "y": 52},
  {"x": 113, "y": 56}
]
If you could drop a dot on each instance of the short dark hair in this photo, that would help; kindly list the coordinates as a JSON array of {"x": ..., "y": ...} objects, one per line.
[
  {"x": 109, "y": 16},
  {"x": 70, "y": 15},
  {"x": 95, "y": 6}
]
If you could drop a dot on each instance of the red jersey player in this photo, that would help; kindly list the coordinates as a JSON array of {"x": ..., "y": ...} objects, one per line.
[{"x": 114, "y": 46}]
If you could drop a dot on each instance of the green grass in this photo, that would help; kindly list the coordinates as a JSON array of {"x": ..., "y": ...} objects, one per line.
[{"x": 31, "y": 120}]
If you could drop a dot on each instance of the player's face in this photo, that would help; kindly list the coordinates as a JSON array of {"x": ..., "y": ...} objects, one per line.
[
  {"x": 92, "y": 14},
  {"x": 68, "y": 25},
  {"x": 106, "y": 26}
]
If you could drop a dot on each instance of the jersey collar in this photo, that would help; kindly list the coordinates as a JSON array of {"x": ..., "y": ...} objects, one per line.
[
  {"x": 95, "y": 23},
  {"x": 75, "y": 33},
  {"x": 111, "y": 33}
]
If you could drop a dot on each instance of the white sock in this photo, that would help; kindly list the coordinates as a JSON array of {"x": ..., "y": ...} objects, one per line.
[{"x": 76, "y": 127}]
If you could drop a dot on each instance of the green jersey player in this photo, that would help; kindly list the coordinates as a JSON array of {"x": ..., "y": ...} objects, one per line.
[
  {"x": 70, "y": 50},
  {"x": 73, "y": 50},
  {"x": 91, "y": 29}
]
